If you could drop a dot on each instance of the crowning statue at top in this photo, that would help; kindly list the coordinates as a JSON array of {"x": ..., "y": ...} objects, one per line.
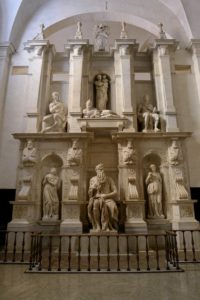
[{"x": 101, "y": 38}]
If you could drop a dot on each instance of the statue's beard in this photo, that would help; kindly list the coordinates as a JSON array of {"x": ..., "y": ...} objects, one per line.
[{"x": 101, "y": 177}]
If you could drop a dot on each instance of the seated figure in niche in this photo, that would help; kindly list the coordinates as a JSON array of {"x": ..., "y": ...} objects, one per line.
[
  {"x": 148, "y": 115},
  {"x": 50, "y": 195},
  {"x": 89, "y": 112},
  {"x": 154, "y": 190},
  {"x": 102, "y": 207},
  {"x": 56, "y": 120},
  {"x": 29, "y": 154}
]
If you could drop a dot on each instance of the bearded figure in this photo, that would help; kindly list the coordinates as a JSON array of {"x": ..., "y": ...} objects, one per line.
[{"x": 102, "y": 207}]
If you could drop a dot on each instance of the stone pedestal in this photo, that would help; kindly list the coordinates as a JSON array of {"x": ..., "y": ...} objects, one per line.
[
  {"x": 135, "y": 217},
  {"x": 71, "y": 214}
]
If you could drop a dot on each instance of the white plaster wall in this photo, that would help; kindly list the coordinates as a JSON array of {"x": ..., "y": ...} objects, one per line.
[{"x": 188, "y": 112}]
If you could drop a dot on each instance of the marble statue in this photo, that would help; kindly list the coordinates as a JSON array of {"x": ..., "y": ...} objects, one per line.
[
  {"x": 101, "y": 37},
  {"x": 101, "y": 85},
  {"x": 162, "y": 32},
  {"x": 154, "y": 190},
  {"x": 129, "y": 154},
  {"x": 102, "y": 208},
  {"x": 56, "y": 120},
  {"x": 148, "y": 115},
  {"x": 50, "y": 195},
  {"x": 123, "y": 34},
  {"x": 29, "y": 154},
  {"x": 89, "y": 112},
  {"x": 174, "y": 153},
  {"x": 74, "y": 154},
  {"x": 78, "y": 35},
  {"x": 40, "y": 35}
]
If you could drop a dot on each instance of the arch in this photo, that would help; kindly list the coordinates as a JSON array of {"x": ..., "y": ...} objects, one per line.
[
  {"x": 140, "y": 14},
  {"x": 52, "y": 160}
]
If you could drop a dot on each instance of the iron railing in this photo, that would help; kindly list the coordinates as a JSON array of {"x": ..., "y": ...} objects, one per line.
[
  {"x": 188, "y": 243},
  {"x": 104, "y": 253}
]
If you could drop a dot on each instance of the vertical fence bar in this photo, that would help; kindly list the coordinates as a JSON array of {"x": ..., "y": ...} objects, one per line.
[
  {"x": 31, "y": 253},
  {"x": 14, "y": 246},
  {"x": 137, "y": 253},
  {"x": 118, "y": 255},
  {"x": 127, "y": 250},
  {"x": 166, "y": 251},
  {"x": 157, "y": 253},
  {"x": 69, "y": 253},
  {"x": 176, "y": 252},
  {"x": 193, "y": 246},
  {"x": 89, "y": 251},
  {"x": 184, "y": 245},
  {"x": 40, "y": 253},
  {"x": 79, "y": 253},
  {"x": 98, "y": 253},
  {"x": 50, "y": 253},
  {"x": 147, "y": 252},
  {"x": 6, "y": 247},
  {"x": 59, "y": 253},
  {"x": 108, "y": 253},
  {"x": 23, "y": 245}
]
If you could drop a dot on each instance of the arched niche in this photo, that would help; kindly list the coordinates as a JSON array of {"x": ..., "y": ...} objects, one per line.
[
  {"x": 48, "y": 162},
  {"x": 102, "y": 89},
  {"x": 152, "y": 158}
]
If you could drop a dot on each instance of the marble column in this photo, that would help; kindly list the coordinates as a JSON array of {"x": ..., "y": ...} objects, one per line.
[
  {"x": 124, "y": 73},
  {"x": 182, "y": 207},
  {"x": 74, "y": 194},
  {"x": 77, "y": 50},
  {"x": 163, "y": 81},
  {"x": 129, "y": 188},
  {"x": 6, "y": 50},
  {"x": 195, "y": 48},
  {"x": 36, "y": 85}
]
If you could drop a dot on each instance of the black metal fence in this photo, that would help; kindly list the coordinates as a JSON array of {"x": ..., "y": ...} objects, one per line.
[
  {"x": 111, "y": 252},
  {"x": 188, "y": 243},
  {"x": 15, "y": 246},
  {"x": 104, "y": 253}
]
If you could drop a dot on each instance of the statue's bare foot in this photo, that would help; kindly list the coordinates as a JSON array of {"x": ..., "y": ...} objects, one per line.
[{"x": 156, "y": 129}]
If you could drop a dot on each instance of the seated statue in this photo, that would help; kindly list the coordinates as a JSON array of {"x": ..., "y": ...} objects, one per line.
[
  {"x": 29, "y": 154},
  {"x": 89, "y": 112},
  {"x": 102, "y": 207},
  {"x": 148, "y": 115},
  {"x": 56, "y": 120}
]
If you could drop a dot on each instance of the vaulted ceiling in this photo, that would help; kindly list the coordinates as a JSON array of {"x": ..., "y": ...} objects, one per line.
[{"x": 20, "y": 19}]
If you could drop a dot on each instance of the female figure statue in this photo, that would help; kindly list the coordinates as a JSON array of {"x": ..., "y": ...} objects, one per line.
[
  {"x": 154, "y": 191},
  {"x": 101, "y": 85},
  {"x": 50, "y": 195}
]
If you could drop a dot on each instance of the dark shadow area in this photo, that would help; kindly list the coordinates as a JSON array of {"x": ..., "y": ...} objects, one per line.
[
  {"x": 195, "y": 194},
  {"x": 6, "y": 195}
]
